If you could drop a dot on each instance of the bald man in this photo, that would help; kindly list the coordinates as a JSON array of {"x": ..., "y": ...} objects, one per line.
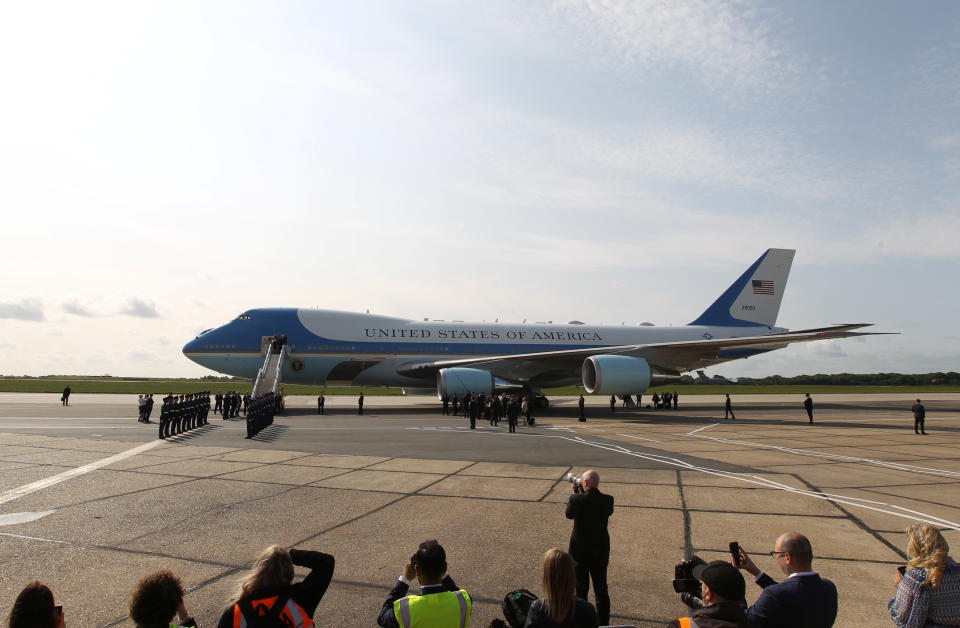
[
  {"x": 590, "y": 541},
  {"x": 803, "y": 600}
]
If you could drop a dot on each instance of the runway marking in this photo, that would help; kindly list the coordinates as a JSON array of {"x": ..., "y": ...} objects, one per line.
[
  {"x": 33, "y": 487},
  {"x": 23, "y": 517},
  {"x": 705, "y": 427},
  {"x": 35, "y": 538},
  {"x": 898, "y": 466},
  {"x": 856, "y": 502}
]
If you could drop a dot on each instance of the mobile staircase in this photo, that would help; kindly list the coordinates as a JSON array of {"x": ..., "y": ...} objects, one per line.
[{"x": 268, "y": 377}]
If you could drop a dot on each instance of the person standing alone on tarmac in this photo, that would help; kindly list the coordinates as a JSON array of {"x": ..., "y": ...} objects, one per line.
[
  {"x": 728, "y": 409},
  {"x": 65, "y": 398},
  {"x": 613, "y": 404},
  {"x": 580, "y": 402},
  {"x": 320, "y": 402},
  {"x": 919, "y": 415},
  {"x": 808, "y": 406},
  {"x": 360, "y": 404},
  {"x": 590, "y": 541}
]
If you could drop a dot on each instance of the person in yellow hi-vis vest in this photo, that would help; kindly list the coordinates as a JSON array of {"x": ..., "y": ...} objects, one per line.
[
  {"x": 440, "y": 603},
  {"x": 723, "y": 592}
]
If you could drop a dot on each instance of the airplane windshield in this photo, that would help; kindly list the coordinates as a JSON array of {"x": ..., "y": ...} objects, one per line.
[{"x": 243, "y": 317}]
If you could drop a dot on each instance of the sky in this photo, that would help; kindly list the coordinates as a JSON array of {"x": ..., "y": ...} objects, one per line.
[{"x": 165, "y": 166}]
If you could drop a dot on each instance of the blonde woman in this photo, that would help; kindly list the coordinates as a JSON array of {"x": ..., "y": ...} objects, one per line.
[
  {"x": 928, "y": 594},
  {"x": 560, "y": 607},
  {"x": 268, "y": 590}
]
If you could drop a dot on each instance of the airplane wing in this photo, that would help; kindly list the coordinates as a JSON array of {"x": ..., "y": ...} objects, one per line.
[{"x": 667, "y": 357}]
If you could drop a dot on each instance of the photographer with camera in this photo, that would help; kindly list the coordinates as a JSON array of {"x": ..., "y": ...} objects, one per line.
[
  {"x": 447, "y": 605},
  {"x": 803, "y": 600},
  {"x": 716, "y": 590},
  {"x": 590, "y": 542}
]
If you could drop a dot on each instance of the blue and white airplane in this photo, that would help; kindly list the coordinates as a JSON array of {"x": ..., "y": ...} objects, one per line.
[{"x": 327, "y": 346}]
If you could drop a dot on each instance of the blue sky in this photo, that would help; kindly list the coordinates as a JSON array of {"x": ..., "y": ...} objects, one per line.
[{"x": 164, "y": 166}]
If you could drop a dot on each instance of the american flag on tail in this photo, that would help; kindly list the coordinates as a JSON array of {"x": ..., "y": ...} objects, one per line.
[{"x": 761, "y": 286}]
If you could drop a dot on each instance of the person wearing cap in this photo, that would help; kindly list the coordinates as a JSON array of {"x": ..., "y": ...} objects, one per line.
[
  {"x": 803, "y": 600},
  {"x": 723, "y": 593}
]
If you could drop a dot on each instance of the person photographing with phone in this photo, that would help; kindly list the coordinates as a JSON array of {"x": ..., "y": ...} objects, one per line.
[
  {"x": 929, "y": 592},
  {"x": 803, "y": 600},
  {"x": 440, "y": 602}
]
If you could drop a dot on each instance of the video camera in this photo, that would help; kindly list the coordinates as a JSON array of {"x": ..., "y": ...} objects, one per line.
[
  {"x": 576, "y": 480},
  {"x": 689, "y": 588}
]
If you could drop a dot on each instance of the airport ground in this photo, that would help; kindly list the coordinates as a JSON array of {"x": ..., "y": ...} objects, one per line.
[{"x": 90, "y": 500}]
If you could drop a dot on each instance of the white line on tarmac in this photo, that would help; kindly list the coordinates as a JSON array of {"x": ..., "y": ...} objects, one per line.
[
  {"x": 705, "y": 427},
  {"x": 26, "y": 489},
  {"x": 856, "y": 502},
  {"x": 898, "y": 466}
]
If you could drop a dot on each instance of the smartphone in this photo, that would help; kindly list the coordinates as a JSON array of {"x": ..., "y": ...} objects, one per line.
[
  {"x": 902, "y": 569},
  {"x": 735, "y": 552}
]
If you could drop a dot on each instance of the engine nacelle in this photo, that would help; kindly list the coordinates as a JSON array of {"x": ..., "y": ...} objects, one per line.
[
  {"x": 457, "y": 381},
  {"x": 616, "y": 375}
]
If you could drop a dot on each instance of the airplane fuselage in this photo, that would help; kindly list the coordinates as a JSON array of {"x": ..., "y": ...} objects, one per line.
[{"x": 328, "y": 346}]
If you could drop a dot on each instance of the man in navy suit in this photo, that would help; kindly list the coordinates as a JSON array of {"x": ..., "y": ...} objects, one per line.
[
  {"x": 590, "y": 541},
  {"x": 803, "y": 600}
]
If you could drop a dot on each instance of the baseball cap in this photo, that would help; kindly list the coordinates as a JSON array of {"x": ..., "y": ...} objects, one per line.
[{"x": 723, "y": 579}]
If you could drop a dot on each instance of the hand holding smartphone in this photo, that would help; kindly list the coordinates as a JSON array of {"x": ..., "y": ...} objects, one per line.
[{"x": 735, "y": 553}]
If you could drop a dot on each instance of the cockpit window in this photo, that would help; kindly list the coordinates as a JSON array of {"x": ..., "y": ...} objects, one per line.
[{"x": 243, "y": 317}]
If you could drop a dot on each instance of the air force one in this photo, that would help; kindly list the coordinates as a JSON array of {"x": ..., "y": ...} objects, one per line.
[{"x": 327, "y": 346}]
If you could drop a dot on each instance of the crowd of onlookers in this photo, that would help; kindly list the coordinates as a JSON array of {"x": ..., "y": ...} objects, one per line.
[{"x": 927, "y": 593}]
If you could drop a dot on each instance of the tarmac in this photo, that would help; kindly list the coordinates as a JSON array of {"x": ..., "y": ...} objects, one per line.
[{"x": 91, "y": 500}]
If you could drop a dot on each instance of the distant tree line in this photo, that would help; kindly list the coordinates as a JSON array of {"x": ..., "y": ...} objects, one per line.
[{"x": 864, "y": 379}]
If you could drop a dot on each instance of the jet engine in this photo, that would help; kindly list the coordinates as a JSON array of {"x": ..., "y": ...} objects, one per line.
[
  {"x": 457, "y": 381},
  {"x": 616, "y": 375}
]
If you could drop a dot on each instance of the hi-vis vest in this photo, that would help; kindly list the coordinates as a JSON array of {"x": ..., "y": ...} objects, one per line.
[
  {"x": 436, "y": 610},
  {"x": 686, "y": 622},
  {"x": 291, "y": 614}
]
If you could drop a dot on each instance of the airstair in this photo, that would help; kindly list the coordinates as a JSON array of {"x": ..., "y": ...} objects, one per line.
[{"x": 268, "y": 377}]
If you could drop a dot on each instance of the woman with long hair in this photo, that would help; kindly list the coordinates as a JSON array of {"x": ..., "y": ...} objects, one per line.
[
  {"x": 268, "y": 589},
  {"x": 928, "y": 594},
  {"x": 36, "y": 608},
  {"x": 560, "y": 607}
]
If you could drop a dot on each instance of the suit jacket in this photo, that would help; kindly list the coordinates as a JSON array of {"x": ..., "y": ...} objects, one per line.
[
  {"x": 590, "y": 511},
  {"x": 798, "y": 602}
]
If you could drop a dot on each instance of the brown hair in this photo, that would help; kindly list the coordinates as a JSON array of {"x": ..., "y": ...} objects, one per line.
[
  {"x": 155, "y": 599},
  {"x": 927, "y": 549},
  {"x": 559, "y": 584},
  {"x": 34, "y": 608},
  {"x": 273, "y": 568}
]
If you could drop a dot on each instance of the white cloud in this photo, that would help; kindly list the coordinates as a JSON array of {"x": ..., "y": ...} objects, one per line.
[
  {"x": 27, "y": 309},
  {"x": 77, "y": 309},
  {"x": 140, "y": 308}
]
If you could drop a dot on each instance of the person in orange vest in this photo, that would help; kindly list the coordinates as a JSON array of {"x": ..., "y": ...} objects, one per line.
[
  {"x": 723, "y": 593},
  {"x": 440, "y": 602},
  {"x": 269, "y": 596}
]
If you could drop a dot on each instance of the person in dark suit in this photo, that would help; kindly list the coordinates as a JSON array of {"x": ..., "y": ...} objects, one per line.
[
  {"x": 808, "y": 406},
  {"x": 919, "y": 415},
  {"x": 580, "y": 402},
  {"x": 320, "y": 401},
  {"x": 728, "y": 409},
  {"x": 590, "y": 542},
  {"x": 65, "y": 398},
  {"x": 803, "y": 600},
  {"x": 360, "y": 404}
]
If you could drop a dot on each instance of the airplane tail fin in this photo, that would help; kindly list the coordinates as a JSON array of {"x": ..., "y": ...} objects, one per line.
[{"x": 753, "y": 299}]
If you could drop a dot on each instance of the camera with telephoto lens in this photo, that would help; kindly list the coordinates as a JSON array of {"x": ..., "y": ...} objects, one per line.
[
  {"x": 689, "y": 588},
  {"x": 577, "y": 482}
]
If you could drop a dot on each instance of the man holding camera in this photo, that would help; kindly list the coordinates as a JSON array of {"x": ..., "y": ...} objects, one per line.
[
  {"x": 723, "y": 591},
  {"x": 803, "y": 600},
  {"x": 440, "y": 603},
  {"x": 590, "y": 542}
]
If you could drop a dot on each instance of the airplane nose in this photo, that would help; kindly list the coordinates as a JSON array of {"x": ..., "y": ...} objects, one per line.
[{"x": 195, "y": 344}]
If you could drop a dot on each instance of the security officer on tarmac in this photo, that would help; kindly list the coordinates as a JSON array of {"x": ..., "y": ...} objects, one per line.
[{"x": 440, "y": 602}]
